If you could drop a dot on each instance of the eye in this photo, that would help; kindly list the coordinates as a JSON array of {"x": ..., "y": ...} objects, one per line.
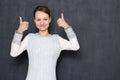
[
  {"x": 38, "y": 20},
  {"x": 45, "y": 19}
]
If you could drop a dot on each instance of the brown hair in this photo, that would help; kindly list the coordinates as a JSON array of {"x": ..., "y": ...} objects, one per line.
[{"x": 44, "y": 9}]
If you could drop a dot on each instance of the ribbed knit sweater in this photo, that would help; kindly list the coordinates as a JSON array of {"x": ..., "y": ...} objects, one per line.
[{"x": 43, "y": 52}]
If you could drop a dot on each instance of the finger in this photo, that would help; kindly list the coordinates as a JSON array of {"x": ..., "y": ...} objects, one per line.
[
  {"x": 58, "y": 20},
  {"x": 26, "y": 23},
  {"x": 62, "y": 16},
  {"x": 20, "y": 19}
]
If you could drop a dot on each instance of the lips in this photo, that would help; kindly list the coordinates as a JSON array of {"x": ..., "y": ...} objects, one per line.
[{"x": 42, "y": 26}]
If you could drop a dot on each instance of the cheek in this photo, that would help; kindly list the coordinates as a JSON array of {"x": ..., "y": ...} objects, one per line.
[
  {"x": 44, "y": 22},
  {"x": 36, "y": 22},
  {"x": 47, "y": 22}
]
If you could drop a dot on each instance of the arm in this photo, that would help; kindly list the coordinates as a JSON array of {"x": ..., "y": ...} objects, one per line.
[
  {"x": 18, "y": 46},
  {"x": 72, "y": 43}
]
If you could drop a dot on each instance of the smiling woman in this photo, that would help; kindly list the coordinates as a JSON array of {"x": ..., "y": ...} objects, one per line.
[
  {"x": 42, "y": 19},
  {"x": 45, "y": 50}
]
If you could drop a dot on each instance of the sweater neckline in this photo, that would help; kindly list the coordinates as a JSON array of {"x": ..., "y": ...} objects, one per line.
[{"x": 44, "y": 35}]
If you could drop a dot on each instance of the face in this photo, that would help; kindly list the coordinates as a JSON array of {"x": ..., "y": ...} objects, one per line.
[{"x": 42, "y": 20}]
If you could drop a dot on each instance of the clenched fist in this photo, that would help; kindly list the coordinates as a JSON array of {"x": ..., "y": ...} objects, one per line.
[
  {"x": 23, "y": 26},
  {"x": 61, "y": 22}
]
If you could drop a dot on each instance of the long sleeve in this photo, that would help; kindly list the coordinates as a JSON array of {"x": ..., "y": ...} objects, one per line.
[
  {"x": 72, "y": 43},
  {"x": 18, "y": 46}
]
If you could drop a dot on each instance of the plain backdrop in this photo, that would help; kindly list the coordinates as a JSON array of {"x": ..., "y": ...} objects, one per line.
[{"x": 96, "y": 24}]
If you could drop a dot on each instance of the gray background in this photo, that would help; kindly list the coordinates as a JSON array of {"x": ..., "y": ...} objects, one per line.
[{"x": 96, "y": 24}]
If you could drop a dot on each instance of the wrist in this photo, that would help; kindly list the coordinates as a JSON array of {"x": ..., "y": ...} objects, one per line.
[
  {"x": 19, "y": 31},
  {"x": 66, "y": 26}
]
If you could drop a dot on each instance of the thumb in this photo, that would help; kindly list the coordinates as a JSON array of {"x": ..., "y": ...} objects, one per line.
[
  {"x": 62, "y": 16},
  {"x": 20, "y": 19}
]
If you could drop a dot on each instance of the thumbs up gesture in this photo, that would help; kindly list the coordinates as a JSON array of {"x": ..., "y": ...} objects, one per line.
[
  {"x": 23, "y": 26},
  {"x": 61, "y": 22}
]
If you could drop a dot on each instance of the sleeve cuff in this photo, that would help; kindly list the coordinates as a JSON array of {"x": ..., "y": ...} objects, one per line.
[
  {"x": 17, "y": 37},
  {"x": 70, "y": 33}
]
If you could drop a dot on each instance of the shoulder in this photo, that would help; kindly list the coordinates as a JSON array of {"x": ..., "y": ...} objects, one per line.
[
  {"x": 55, "y": 35},
  {"x": 30, "y": 35}
]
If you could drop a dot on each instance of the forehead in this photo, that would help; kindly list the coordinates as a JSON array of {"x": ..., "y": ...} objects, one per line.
[{"x": 40, "y": 14}]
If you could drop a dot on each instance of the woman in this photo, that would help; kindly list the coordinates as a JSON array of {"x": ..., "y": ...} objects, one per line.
[{"x": 43, "y": 48}]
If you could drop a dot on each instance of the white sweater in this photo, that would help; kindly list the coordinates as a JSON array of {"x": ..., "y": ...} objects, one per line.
[{"x": 43, "y": 52}]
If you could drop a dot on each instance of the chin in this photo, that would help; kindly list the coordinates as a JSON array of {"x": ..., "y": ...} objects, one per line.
[{"x": 43, "y": 29}]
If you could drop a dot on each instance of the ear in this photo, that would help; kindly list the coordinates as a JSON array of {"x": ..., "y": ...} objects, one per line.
[{"x": 50, "y": 20}]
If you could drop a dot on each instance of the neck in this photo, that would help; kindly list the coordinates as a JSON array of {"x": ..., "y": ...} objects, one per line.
[{"x": 43, "y": 33}]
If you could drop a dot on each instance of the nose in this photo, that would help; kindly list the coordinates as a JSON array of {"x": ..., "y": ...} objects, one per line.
[{"x": 41, "y": 22}]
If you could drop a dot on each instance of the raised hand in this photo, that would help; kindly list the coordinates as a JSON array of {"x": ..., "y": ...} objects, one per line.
[
  {"x": 23, "y": 26},
  {"x": 61, "y": 22}
]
